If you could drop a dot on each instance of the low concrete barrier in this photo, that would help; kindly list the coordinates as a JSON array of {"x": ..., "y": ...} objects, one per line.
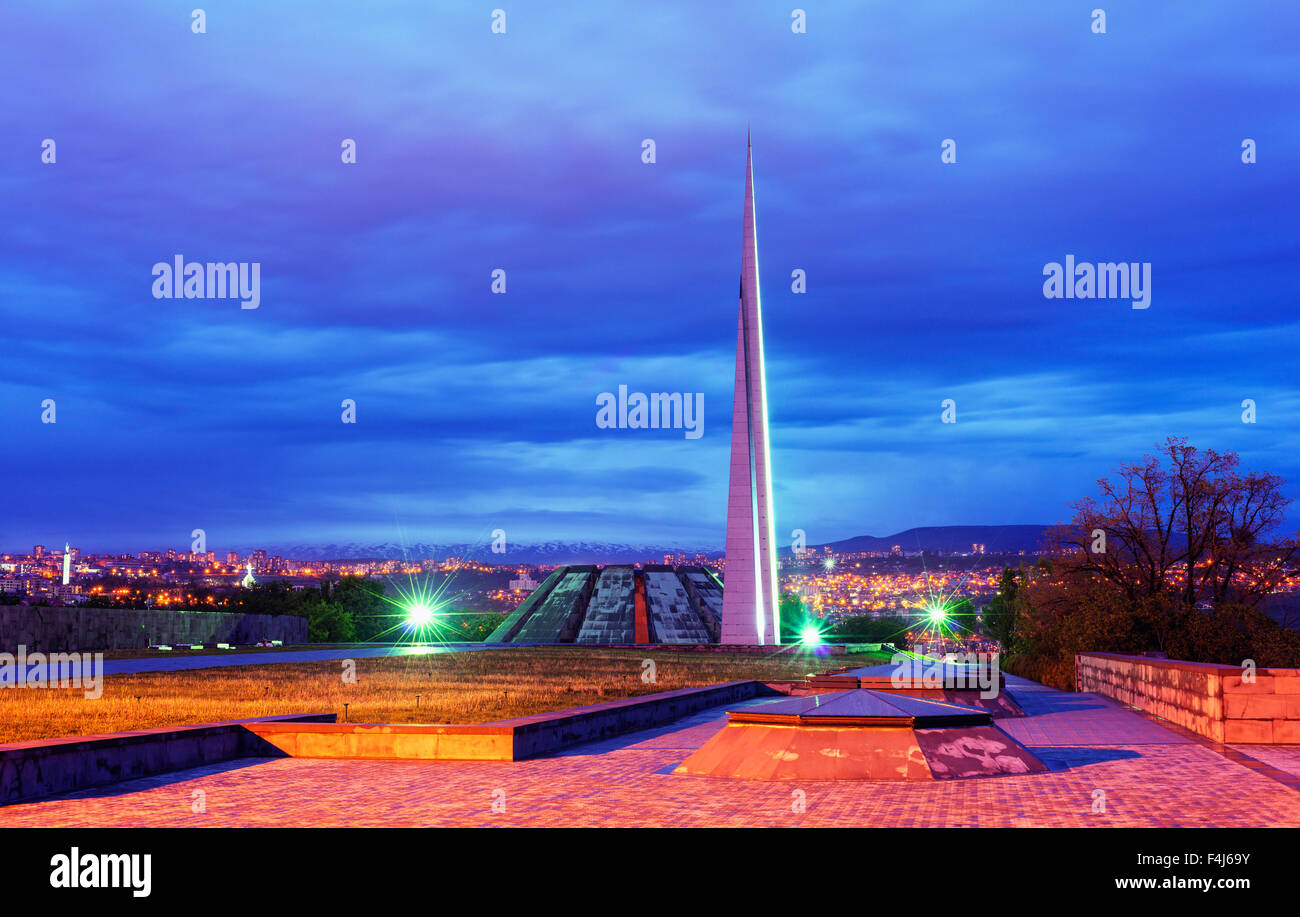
[
  {"x": 394, "y": 741},
  {"x": 1206, "y": 698},
  {"x": 502, "y": 740},
  {"x": 32, "y": 770},
  {"x": 535, "y": 735}
]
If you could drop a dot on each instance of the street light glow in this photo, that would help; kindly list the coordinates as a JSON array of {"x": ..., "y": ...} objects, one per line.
[
  {"x": 419, "y": 614},
  {"x": 810, "y": 635}
]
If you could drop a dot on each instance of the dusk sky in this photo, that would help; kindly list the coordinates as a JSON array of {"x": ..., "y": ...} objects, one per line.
[{"x": 523, "y": 151}]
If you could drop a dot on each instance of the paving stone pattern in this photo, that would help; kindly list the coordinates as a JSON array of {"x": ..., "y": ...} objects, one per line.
[{"x": 1152, "y": 774}]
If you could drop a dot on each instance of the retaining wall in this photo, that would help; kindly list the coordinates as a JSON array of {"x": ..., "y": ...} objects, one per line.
[
  {"x": 1212, "y": 700},
  {"x": 59, "y": 629},
  {"x": 502, "y": 740},
  {"x": 32, "y": 770}
]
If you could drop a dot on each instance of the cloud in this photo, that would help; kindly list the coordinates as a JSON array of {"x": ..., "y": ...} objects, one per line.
[{"x": 522, "y": 152}]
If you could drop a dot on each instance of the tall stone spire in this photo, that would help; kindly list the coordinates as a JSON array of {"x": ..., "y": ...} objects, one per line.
[{"x": 750, "y": 597}]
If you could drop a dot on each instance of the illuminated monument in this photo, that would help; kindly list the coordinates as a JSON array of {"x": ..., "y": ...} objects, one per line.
[
  {"x": 618, "y": 604},
  {"x": 749, "y": 602}
]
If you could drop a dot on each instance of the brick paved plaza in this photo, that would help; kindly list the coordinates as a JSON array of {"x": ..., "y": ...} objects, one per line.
[{"x": 1152, "y": 774}]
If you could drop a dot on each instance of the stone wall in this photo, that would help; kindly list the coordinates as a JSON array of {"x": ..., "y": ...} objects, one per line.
[
  {"x": 1208, "y": 699},
  {"x": 34, "y": 770},
  {"x": 503, "y": 740},
  {"x": 76, "y": 629}
]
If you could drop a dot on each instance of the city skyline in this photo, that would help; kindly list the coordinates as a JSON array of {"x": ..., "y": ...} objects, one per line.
[
  {"x": 475, "y": 411},
  {"x": 532, "y": 555}
]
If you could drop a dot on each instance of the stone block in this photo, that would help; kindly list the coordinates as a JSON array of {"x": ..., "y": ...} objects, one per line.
[
  {"x": 1286, "y": 732},
  {"x": 1248, "y": 731},
  {"x": 1263, "y": 684},
  {"x": 1255, "y": 706},
  {"x": 1286, "y": 684}
]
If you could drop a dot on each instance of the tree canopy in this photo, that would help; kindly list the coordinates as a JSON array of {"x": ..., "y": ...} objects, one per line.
[
  {"x": 1184, "y": 524},
  {"x": 1174, "y": 555}
]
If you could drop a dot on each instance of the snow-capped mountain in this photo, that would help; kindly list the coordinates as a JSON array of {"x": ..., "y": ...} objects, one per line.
[{"x": 551, "y": 552}]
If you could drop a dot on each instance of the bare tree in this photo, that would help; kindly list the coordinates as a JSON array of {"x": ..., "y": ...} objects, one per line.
[{"x": 1186, "y": 525}]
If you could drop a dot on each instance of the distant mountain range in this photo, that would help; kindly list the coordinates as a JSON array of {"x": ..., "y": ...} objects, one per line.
[
  {"x": 950, "y": 539},
  {"x": 551, "y": 552}
]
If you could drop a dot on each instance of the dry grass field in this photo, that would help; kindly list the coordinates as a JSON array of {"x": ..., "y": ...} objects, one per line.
[{"x": 467, "y": 687}]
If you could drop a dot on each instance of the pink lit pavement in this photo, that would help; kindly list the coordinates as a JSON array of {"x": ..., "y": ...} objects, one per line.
[{"x": 1152, "y": 774}]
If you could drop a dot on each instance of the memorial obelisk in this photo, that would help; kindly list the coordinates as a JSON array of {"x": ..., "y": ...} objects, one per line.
[{"x": 750, "y": 595}]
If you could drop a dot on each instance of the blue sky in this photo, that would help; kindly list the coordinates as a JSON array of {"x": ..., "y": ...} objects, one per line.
[{"x": 522, "y": 151}]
